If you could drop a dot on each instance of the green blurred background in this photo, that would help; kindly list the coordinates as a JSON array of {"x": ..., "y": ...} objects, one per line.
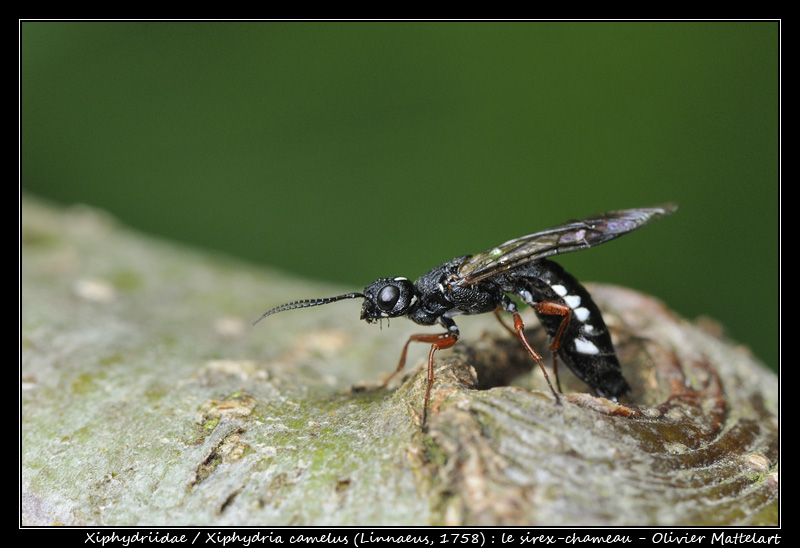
[{"x": 348, "y": 151}]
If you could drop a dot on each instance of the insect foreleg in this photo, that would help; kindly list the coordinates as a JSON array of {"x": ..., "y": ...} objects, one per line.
[{"x": 438, "y": 342}]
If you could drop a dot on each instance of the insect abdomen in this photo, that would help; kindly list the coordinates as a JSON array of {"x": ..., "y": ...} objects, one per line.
[{"x": 585, "y": 345}]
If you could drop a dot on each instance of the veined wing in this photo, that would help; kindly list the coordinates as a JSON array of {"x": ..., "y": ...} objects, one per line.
[{"x": 571, "y": 236}]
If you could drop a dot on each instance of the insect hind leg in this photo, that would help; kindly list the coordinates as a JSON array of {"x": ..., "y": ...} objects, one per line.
[
  {"x": 519, "y": 328},
  {"x": 579, "y": 335},
  {"x": 556, "y": 309}
]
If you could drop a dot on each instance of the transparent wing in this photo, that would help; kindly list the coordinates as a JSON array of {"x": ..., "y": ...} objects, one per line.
[{"x": 571, "y": 236}]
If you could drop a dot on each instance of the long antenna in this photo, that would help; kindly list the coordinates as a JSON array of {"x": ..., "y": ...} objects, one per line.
[{"x": 305, "y": 303}]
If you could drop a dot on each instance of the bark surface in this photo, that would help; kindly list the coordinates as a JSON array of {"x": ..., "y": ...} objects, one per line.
[{"x": 148, "y": 399}]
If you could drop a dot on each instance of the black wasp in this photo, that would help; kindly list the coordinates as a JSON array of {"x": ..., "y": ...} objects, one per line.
[{"x": 475, "y": 284}]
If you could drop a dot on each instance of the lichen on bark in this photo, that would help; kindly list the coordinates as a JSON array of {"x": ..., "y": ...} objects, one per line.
[{"x": 148, "y": 399}]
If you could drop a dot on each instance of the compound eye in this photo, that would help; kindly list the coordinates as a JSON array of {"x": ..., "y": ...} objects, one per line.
[{"x": 387, "y": 297}]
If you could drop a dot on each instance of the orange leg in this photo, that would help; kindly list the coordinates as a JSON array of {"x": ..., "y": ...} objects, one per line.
[
  {"x": 520, "y": 327},
  {"x": 500, "y": 319},
  {"x": 438, "y": 342},
  {"x": 556, "y": 309}
]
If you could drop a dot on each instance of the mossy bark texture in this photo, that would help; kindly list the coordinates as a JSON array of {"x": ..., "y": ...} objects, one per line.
[{"x": 147, "y": 398}]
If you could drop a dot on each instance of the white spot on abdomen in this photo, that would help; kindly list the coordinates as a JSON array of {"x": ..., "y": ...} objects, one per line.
[
  {"x": 586, "y": 347},
  {"x": 582, "y": 314},
  {"x": 560, "y": 290},
  {"x": 573, "y": 301}
]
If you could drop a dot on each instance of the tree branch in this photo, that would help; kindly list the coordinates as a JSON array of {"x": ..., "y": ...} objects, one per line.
[{"x": 147, "y": 398}]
